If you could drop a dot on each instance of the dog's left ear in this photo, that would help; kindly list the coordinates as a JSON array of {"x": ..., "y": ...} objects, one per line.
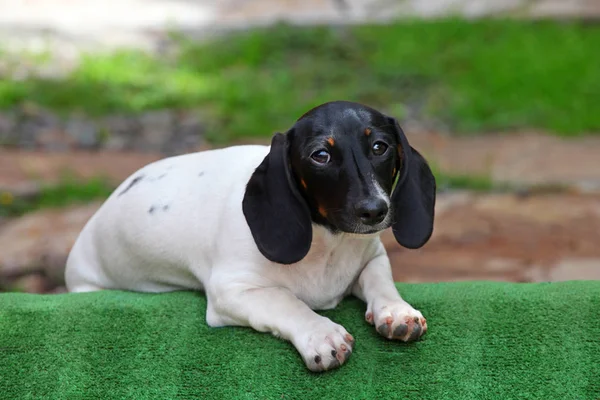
[
  {"x": 413, "y": 198},
  {"x": 275, "y": 211}
]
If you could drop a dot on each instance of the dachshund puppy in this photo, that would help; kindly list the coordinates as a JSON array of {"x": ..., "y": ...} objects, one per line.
[{"x": 272, "y": 233}]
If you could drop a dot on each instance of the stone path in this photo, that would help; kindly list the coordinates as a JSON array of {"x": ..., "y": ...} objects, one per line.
[
  {"x": 506, "y": 237},
  {"x": 517, "y": 237},
  {"x": 522, "y": 160},
  {"x": 35, "y": 248},
  {"x": 167, "y": 131},
  {"x": 22, "y": 172},
  {"x": 525, "y": 236}
]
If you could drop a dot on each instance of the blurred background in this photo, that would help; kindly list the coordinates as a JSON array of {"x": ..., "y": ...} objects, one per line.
[{"x": 503, "y": 99}]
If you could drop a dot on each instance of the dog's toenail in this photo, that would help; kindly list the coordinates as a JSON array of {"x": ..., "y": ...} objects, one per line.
[
  {"x": 343, "y": 347},
  {"x": 349, "y": 338},
  {"x": 389, "y": 320},
  {"x": 416, "y": 319},
  {"x": 333, "y": 353},
  {"x": 318, "y": 359}
]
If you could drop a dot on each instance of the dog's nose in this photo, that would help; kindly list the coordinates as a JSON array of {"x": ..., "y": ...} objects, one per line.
[{"x": 371, "y": 211}]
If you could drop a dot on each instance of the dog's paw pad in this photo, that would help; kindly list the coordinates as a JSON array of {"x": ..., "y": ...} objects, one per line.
[
  {"x": 401, "y": 330},
  {"x": 399, "y": 321}
]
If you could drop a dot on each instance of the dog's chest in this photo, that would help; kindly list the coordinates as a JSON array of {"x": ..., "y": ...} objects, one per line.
[{"x": 327, "y": 273}]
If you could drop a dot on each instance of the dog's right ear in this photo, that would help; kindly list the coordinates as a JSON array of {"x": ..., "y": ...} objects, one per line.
[
  {"x": 413, "y": 197},
  {"x": 275, "y": 211}
]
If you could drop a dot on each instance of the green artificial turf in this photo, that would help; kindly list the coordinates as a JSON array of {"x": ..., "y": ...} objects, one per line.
[{"x": 485, "y": 341}]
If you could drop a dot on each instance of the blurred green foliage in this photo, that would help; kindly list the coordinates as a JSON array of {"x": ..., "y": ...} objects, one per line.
[{"x": 469, "y": 76}]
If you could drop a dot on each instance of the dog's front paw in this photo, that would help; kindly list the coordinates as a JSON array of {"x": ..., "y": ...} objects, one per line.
[
  {"x": 325, "y": 346},
  {"x": 397, "y": 320}
]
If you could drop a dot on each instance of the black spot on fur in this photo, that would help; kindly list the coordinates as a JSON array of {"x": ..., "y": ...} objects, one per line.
[
  {"x": 154, "y": 208},
  {"x": 156, "y": 178},
  {"x": 133, "y": 182}
]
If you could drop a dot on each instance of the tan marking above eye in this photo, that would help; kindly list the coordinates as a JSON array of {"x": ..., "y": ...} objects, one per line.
[
  {"x": 367, "y": 131},
  {"x": 322, "y": 211},
  {"x": 394, "y": 172},
  {"x": 303, "y": 183},
  {"x": 331, "y": 141}
]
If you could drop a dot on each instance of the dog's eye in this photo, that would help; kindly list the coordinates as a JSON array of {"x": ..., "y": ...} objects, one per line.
[
  {"x": 321, "y": 156},
  {"x": 379, "y": 148}
]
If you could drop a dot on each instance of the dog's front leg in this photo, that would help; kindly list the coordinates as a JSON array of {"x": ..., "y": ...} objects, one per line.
[
  {"x": 393, "y": 317},
  {"x": 322, "y": 343}
]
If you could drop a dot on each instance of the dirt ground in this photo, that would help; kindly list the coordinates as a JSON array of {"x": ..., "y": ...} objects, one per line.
[
  {"x": 506, "y": 238},
  {"x": 526, "y": 236},
  {"x": 477, "y": 237}
]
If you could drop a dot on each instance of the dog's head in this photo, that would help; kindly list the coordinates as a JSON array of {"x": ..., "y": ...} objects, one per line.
[{"x": 336, "y": 167}]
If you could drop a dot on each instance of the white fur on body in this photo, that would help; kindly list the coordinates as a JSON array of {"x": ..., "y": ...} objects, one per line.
[{"x": 178, "y": 224}]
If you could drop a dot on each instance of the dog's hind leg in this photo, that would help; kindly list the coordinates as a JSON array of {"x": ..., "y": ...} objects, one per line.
[
  {"x": 76, "y": 282},
  {"x": 83, "y": 288},
  {"x": 81, "y": 273}
]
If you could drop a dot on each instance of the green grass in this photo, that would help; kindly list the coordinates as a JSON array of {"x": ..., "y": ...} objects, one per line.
[
  {"x": 469, "y": 76},
  {"x": 474, "y": 183},
  {"x": 67, "y": 192}
]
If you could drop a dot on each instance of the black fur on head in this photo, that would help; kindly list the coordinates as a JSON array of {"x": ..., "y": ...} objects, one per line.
[{"x": 336, "y": 167}]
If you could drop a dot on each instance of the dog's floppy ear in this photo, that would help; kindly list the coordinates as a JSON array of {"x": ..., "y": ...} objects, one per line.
[
  {"x": 413, "y": 198},
  {"x": 276, "y": 213}
]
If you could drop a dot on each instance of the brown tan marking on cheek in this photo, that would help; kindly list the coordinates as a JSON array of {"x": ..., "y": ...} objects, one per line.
[
  {"x": 367, "y": 131},
  {"x": 303, "y": 183},
  {"x": 322, "y": 211},
  {"x": 331, "y": 141}
]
